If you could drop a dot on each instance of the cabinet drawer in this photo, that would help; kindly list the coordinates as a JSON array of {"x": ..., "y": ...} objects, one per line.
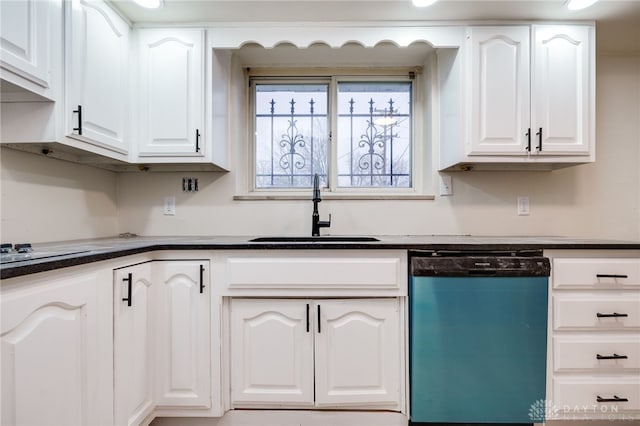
[
  {"x": 591, "y": 312},
  {"x": 596, "y": 273},
  {"x": 595, "y": 396},
  {"x": 597, "y": 353},
  {"x": 345, "y": 272}
]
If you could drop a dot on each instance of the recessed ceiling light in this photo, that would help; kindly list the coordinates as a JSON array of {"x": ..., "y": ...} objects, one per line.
[
  {"x": 423, "y": 3},
  {"x": 579, "y": 4},
  {"x": 149, "y": 4}
]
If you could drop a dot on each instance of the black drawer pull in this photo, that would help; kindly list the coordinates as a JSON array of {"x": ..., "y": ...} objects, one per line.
[
  {"x": 611, "y": 276},
  {"x": 614, "y": 399},
  {"x": 613, "y": 315},
  {"x": 202, "y": 286},
  {"x": 614, "y": 356},
  {"x": 307, "y": 317}
]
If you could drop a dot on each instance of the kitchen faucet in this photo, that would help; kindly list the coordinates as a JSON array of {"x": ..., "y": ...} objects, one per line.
[{"x": 316, "y": 223}]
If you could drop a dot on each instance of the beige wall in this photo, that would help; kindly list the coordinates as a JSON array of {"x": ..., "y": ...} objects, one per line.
[
  {"x": 46, "y": 200},
  {"x": 51, "y": 200},
  {"x": 596, "y": 200}
]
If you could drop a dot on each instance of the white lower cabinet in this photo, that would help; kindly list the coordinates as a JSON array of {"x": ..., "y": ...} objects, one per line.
[
  {"x": 133, "y": 343},
  {"x": 162, "y": 338},
  {"x": 594, "y": 359},
  {"x": 183, "y": 327},
  {"x": 341, "y": 353},
  {"x": 57, "y": 349}
]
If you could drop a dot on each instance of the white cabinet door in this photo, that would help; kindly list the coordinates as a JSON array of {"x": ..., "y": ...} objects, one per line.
[
  {"x": 24, "y": 39},
  {"x": 183, "y": 377},
  {"x": 499, "y": 89},
  {"x": 271, "y": 353},
  {"x": 97, "y": 75},
  {"x": 134, "y": 352},
  {"x": 563, "y": 88},
  {"x": 171, "y": 81},
  {"x": 357, "y": 351},
  {"x": 57, "y": 350}
]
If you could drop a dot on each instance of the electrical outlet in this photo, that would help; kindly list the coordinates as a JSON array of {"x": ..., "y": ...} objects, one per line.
[
  {"x": 446, "y": 187},
  {"x": 189, "y": 184},
  {"x": 523, "y": 206},
  {"x": 169, "y": 206}
]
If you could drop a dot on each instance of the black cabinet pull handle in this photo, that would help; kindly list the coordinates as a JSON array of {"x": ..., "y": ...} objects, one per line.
[
  {"x": 528, "y": 135},
  {"x": 613, "y": 315},
  {"x": 319, "y": 319},
  {"x": 614, "y": 399},
  {"x": 79, "y": 112},
  {"x": 614, "y": 356},
  {"x": 197, "y": 140},
  {"x": 539, "y": 135},
  {"x": 307, "y": 317},
  {"x": 129, "y": 281},
  {"x": 611, "y": 276},
  {"x": 202, "y": 279}
]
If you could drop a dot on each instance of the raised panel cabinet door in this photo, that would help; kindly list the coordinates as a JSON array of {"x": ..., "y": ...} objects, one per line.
[
  {"x": 24, "y": 44},
  {"x": 134, "y": 353},
  {"x": 171, "y": 82},
  {"x": 500, "y": 104},
  {"x": 183, "y": 321},
  {"x": 357, "y": 352},
  {"x": 97, "y": 75},
  {"x": 57, "y": 352},
  {"x": 271, "y": 353},
  {"x": 563, "y": 89}
]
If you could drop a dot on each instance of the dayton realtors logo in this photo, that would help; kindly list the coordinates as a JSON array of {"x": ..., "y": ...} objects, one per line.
[{"x": 541, "y": 410}]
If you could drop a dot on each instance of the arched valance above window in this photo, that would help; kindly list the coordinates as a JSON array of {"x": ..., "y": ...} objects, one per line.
[{"x": 335, "y": 36}]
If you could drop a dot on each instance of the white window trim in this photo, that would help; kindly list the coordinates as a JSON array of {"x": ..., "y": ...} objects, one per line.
[{"x": 419, "y": 161}]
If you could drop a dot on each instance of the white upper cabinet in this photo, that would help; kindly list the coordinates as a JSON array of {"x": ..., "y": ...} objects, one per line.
[
  {"x": 97, "y": 75},
  {"x": 171, "y": 93},
  {"x": 538, "y": 107},
  {"x": 26, "y": 42},
  {"x": 500, "y": 89},
  {"x": 531, "y": 92},
  {"x": 562, "y": 89}
]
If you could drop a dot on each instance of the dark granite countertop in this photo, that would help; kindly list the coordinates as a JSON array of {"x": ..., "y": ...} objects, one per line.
[{"x": 51, "y": 256}]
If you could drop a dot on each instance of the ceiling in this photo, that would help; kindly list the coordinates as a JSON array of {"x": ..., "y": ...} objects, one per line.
[{"x": 199, "y": 11}]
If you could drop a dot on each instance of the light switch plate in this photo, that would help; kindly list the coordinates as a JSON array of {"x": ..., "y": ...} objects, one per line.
[{"x": 169, "y": 206}]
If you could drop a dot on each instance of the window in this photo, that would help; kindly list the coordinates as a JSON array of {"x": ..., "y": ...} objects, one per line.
[{"x": 352, "y": 132}]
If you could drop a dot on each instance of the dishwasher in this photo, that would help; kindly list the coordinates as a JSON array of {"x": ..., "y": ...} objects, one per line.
[{"x": 477, "y": 336}]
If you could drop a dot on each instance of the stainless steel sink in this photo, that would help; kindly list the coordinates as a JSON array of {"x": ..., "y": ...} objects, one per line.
[{"x": 321, "y": 239}]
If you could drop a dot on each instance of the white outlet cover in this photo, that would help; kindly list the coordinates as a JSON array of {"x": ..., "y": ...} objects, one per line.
[
  {"x": 446, "y": 183},
  {"x": 523, "y": 206}
]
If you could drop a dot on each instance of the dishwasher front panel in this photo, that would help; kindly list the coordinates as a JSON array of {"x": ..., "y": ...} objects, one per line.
[{"x": 477, "y": 348}]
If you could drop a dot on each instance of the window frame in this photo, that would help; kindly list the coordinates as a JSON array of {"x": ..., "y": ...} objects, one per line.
[{"x": 332, "y": 77}]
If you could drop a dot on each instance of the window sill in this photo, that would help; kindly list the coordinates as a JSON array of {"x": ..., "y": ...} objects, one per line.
[{"x": 331, "y": 196}]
